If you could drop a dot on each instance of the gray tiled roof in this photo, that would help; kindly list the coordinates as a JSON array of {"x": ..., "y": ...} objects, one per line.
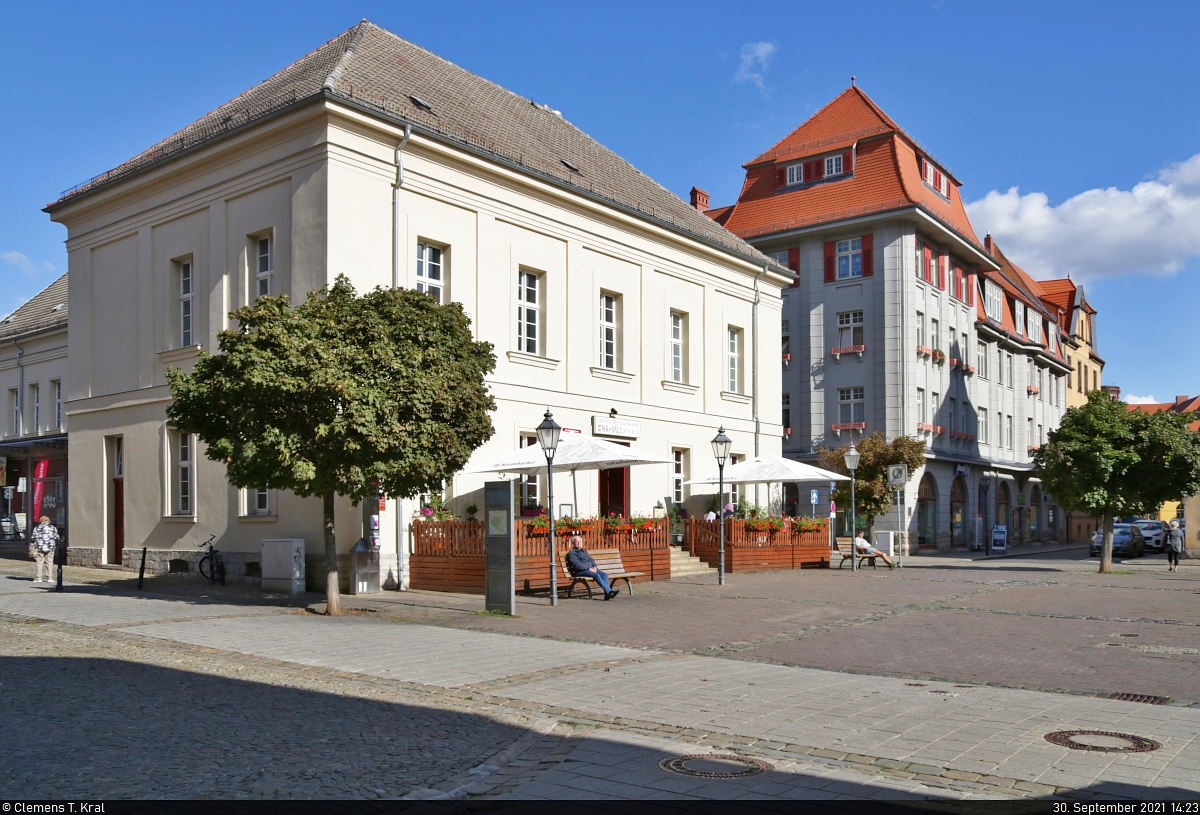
[
  {"x": 380, "y": 72},
  {"x": 39, "y": 312}
]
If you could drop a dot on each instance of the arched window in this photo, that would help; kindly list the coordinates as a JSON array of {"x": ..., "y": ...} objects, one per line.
[
  {"x": 1002, "y": 502},
  {"x": 927, "y": 511},
  {"x": 958, "y": 512}
]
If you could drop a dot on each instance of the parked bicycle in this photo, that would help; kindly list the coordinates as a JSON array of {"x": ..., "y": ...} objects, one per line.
[{"x": 210, "y": 572}]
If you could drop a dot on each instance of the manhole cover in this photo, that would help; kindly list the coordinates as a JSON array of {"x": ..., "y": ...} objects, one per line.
[
  {"x": 1101, "y": 741},
  {"x": 715, "y": 765}
]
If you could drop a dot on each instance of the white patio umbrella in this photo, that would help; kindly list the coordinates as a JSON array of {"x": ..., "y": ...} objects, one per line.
[
  {"x": 771, "y": 470},
  {"x": 575, "y": 452}
]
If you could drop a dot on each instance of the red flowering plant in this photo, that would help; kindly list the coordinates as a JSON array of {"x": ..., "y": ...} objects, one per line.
[
  {"x": 802, "y": 524},
  {"x": 568, "y": 525},
  {"x": 764, "y": 524},
  {"x": 540, "y": 522}
]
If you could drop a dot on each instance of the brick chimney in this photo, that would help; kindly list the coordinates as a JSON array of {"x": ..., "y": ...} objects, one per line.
[
  {"x": 1179, "y": 400},
  {"x": 700, "y": 199},
  {"x": 987, "y": 244},
  {"x": 1113, "y": 391}
]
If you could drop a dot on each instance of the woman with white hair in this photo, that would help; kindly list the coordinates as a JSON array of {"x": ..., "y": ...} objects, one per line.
[
  {"x": 45, "y": 541},
  {"x": 1174, "y": 545}
]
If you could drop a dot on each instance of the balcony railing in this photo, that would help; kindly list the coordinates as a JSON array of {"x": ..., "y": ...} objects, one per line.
[{"x": 847, "y": 349}]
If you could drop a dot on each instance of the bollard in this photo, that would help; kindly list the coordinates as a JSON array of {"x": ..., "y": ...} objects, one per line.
[
  {"x": 142, "y": 571},
  {"x": 60, "y": 558}
]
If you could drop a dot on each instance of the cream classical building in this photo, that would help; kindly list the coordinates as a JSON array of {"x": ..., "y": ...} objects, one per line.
[{"x": 608, "y": 299}]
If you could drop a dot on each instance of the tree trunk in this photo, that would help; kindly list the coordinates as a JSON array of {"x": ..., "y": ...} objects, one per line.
[
  {"x": 333, "y": 602},
  {"x": 1107, "y": 547}
]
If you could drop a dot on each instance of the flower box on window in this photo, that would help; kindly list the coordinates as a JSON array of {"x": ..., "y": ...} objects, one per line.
[
  {"x": 924, "y": 350},
  {"x": 840, "y": 426},
  {"x": 1032, "y": 389},
  {"x": 1033, "y": 448},
  {"x": 955, "y": 362},
  {"x": 847, "y": 349},
  {"x": 931, "y": 428}
]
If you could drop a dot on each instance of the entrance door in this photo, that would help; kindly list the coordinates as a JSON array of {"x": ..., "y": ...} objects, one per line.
[
  {"x": 958, "y": 512},
  {"x": 614, "y": 491},
  {"x": 118, "y": 520},
  {"x": 927, "y": 512}
]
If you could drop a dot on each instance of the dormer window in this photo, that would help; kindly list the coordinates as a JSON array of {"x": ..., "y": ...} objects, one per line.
[
  {"x": 833, "y": 165},
  {"x": 936, "y": 178},
  {"x": 795, "y": 174},
  {"x": 1019, "y": 316},
  {"x": 817, "y": 169}
]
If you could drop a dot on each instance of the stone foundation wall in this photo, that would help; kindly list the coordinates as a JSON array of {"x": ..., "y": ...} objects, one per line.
[
  {"x": 240, "y": 567},
  {"x": 90, "y": 558}
]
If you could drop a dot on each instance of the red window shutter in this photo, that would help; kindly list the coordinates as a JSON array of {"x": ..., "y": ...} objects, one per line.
[
  {"x": 781, "y": 177},
  {"x": 794, "y": 263},
  {"x": 819, "y": 168},
  {"x": 941, "y": 271},
  {"x": 868, "y": 252},
  {"x": 848, "y": 162},
  {"x": 830, "y": 261},
  {"x": 970, "y": 290},
  {"x": 927, "y": 264}
]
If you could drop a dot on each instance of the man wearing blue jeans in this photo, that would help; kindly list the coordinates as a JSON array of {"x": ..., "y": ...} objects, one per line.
[{"x": 581, "y": 564}]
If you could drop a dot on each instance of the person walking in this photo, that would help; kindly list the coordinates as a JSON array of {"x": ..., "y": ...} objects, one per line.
[
  {"x": 581, "y": 564},
  {"x": 1174, "y": 546},
  {"x": 45, "y": 541}
]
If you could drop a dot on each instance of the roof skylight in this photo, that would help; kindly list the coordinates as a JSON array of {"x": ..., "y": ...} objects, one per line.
[
  {"x": 421, "y": 103},
  {"x": 571, "y": 166}
]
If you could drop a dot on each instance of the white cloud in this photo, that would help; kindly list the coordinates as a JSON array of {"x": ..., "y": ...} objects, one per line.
[
  {"x": 1154, "y": 227},
  {"x": 1139, "y": 400},
  {"x": 755, "y": 57},
  {"x": 27, "y": 266}
]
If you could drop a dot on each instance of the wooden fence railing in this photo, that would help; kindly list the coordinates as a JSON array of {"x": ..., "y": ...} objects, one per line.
[
  {"x": 748, "y": 550},
  {"x": 449, "y": 555}
]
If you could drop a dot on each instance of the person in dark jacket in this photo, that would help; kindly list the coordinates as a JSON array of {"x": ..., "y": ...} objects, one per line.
[
  {"x": 581, "y": 564},
  {"x": 1174, "y": 546}
]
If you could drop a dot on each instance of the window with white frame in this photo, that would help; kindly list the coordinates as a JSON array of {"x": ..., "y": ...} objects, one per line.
[
  {"x": 982, "y": 418},
  {"x": 993, "y": 301},
  {"x": 527, "y": 312},
  {"x": 264, "y": 266},
  {"x": 1053, "y": 338},
  {"x": 1041, "y": 437},
  {"x": 678, "y": 474},
  {"x": 14, "y": 398},
  {"x": 735, "y": 493},
  {"x": 1019, "y": 316},
  {"x": 920, "y": 406},
  {"x": 850, "y": 328},
  {"x": 780, "y": 257},
  {"x": 430, "y": 274},
  {"x": 1008, "y": 430},
  {"x": 849, "y": 258},
  {"x": 833, "y": 166},
  {"x": 678, "y": 359},
  {"x": 964, "y": 350},
  {"x": 1029, "y": 380},
  {"x": 258, "y": 501},
  {"x": 119, "y": 457},
  {"x": 182, "y": 475},
  {"x": 964, "y": 416},
  {"x": 787, "y": 412},
  {"x": 795, "y": 174},
  {"x": 529, "y": 483},
  {"x": 610, "y": 352},
  {"x": 733, "y": 359},
  {"x": 935, "y": 341},
  {"x": 953, "y": 413},
  {"x": 1035, "y": 326},
  {"x": 35, "y": 401},
  {"x": 852, "y": 406},
  {"x": 920, "y": 329},
  {"x": 785, "y": 330},
  {"x": 1008, "y": 363},
  {"x": 1029, "y": 432},
  {"x": 936, "y": 179},
  {"x": 981, "y": 360},
  {"x": 58, "y": 403},
  {"x": 186, "y": 290},
  {"x": 935, "y": 407}
]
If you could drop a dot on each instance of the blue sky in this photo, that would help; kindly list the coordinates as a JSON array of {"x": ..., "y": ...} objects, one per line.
[{"x": 1071, "y": 125}]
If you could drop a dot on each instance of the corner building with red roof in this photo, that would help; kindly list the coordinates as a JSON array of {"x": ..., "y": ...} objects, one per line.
[{"x": 903, "y": 321}]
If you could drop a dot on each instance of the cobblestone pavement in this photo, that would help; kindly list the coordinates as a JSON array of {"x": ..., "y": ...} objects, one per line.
[{"x": 194, "y": 691}]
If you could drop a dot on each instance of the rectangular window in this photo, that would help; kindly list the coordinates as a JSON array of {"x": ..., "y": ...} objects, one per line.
[
  {"x": 1034, "y": 326},
  {"x": 529, "y": 483},
  {"x": 609, "y": 352},
  {"x": 1019, "y": 316},
  {"x": 833, "y": 166},
  {"x": 183, "y": 477},
  {"x": 1041, "y": 383},
  {"x": 779, "y": 257},
  {"x": 527, "y": 312},
  {"x": 920, "y": 406},
  {"x": 1041, "y": 435},
  {"x": 1053, "y": 338},
  {"x": 935, "y": 341},
  {"x": 264, "y": 267},
  {"x": 677, "y": 357},
  {"x": 678, "y": 474},
  {"x": 35, "y": 401},
  {"x": 920, "y": 329},
  {"x": 795, "y": 174},
  {"x": 964, "y": 417},
  {"x": 787, "y": 413},
  {"x": 58, "y": 405},
  {"x": 258, "y": 501},
  {"x": 429, "y": 271},
  {"x": 1008, "y": 374},
  {"x": 733, "y": 357},
  {"x": 735, "y": 494},
  {"x": 1008, "y": 430},
  {"x": 119, "y": 457},
  {"x": 981, "y": 360},
  {"x": 1029, "y": 380},
  {"x": 849, "y": 258},
  {"x": 852, "y": 406},
  {"x": 185, "y": 304},
  {"x": 14, "y": 399},
  {"x": 964, "y": 350},
  {"x": 786, "y": 344},
  {"x": 1029, "y": 432},
  {"x": 953, "y": 411},
  {"x": 993, "y": 302},
  {"x": 983, "y": 426},
  {"x": 935, "y": 407},
  {"x": 850, "y": 328}
]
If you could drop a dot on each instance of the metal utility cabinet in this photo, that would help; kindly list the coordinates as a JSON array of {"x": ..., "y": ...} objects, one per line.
[{"x": 283, "y": 565}]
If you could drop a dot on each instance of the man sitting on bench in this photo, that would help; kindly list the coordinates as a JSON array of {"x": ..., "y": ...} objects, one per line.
[
  {"x": 865, "y": 549},
  {"x": 581, "y": 564}
]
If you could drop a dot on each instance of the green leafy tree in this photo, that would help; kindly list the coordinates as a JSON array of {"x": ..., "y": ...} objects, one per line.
[
  {"x": 872, "y": 495},
  {"x": 1108, "y": 461},
  {"x": 357, "y": 396}
]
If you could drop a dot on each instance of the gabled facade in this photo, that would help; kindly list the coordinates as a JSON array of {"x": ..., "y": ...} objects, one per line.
[
  {"x": 608, "y": 299},
  {"x": 1078, "y": 321},
  {"x": 886, "y": 328}
]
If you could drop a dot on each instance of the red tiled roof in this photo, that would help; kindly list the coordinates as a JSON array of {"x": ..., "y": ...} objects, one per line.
[
  {"x": 1183, "y": 405},
  {"x": 1016, "y": 282},
  {"x": 886, "y": 175}
]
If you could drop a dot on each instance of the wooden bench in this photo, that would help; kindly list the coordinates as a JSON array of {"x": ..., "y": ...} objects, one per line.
[
  {"x": 607, "y": 561},
  {"x": 846, "y": 550}
]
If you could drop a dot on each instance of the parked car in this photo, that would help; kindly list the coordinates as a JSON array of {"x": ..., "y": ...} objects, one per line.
[
  {"x": 1155, "y": 533},
  {"x": 1128, "y": 541}
]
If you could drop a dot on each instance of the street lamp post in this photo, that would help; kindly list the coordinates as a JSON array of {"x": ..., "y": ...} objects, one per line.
[
  {"x": 548, "y": 433},
  {"x": 852, "y": 456},
  {"x": 720, "y": 446}
]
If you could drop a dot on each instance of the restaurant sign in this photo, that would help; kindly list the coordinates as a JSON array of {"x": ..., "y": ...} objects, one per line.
[{"x": 609, "y": 426}]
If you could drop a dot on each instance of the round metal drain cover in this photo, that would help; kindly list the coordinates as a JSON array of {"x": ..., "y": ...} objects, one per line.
[
  {"x": 1102, "y": 741},
  {"x": 715, "y": 765}
]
